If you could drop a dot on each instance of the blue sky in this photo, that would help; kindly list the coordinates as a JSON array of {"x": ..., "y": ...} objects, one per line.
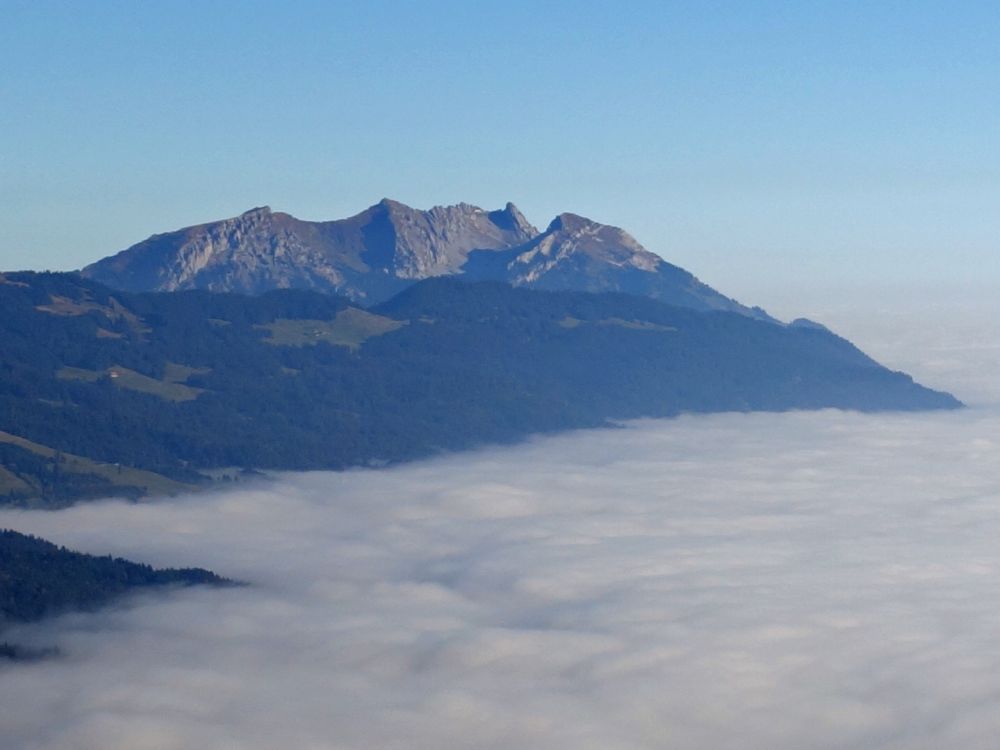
[{"x": 756, "y": 143}]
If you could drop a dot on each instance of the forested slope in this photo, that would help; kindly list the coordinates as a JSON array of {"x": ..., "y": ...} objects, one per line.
[{"x": 104, "y": 392}]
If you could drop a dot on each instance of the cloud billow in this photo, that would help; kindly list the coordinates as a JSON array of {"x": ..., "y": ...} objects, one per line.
[{"x": 788, "y": 581}]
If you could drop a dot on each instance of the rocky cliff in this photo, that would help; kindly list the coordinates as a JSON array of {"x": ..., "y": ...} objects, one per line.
[{"x": 367, "y": 257}]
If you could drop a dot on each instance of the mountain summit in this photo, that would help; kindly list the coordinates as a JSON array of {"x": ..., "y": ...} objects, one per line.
[
  {"x": 577, "y": 254},
  {"x": 367, "y": 257},
  {"x": 385, "y": 248}
]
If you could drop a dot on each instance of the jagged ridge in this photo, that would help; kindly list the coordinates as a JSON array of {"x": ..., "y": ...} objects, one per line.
[{"x": 385, "y": 248}]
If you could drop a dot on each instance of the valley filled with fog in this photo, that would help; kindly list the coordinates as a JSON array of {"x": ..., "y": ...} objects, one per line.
[{"x": 794, "y": 580}]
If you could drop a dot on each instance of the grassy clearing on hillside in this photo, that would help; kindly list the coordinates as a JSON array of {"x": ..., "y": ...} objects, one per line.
[
  {"x": 175, "y": 373},
  {"x": 136, "y": 381},
  {"x": 350, "y": 328},
  {"x": 78, "y": 373},
  {"x": 114, "y": 311},
  {"x": 59, "y": 305},
  {"x": 121, "y": 476},
  {"x": 10, "y": 483},
  {"x": 171, "y": 388},
  {"x": 634, "y": 325}
]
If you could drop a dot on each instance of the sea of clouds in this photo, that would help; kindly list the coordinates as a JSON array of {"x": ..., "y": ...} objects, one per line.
[{"x": 801, "y": 580}]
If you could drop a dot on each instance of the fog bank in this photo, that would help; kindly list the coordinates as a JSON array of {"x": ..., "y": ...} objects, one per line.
[{"x": 731, "y": 581}]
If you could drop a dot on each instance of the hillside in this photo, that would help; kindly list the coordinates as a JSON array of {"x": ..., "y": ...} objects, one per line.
[
  {"x": 104, "y": 392},
  {"x": 39, "y": 579}
]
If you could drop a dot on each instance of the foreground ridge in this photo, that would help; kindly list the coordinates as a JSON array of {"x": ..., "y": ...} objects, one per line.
[{"x": 111, "y": 393}]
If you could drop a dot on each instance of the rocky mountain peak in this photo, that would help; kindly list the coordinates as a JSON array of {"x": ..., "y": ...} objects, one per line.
[
  {"x": 256, "y": 219},
  {"x": 415, "y": 244},
  {"x": 511, "y": 219},
  {"x": 392, "y": 206},
  {"x": 373, "y": 255},
  {"x": 567, "y": 222},
  {"x": 572, "y": 233}
]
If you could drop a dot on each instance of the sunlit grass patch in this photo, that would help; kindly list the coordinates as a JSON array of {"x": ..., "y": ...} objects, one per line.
[{"x": 351, "y": 328}]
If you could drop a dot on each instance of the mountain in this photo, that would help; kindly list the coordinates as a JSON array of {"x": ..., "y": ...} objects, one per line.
[
  {"x": 107, "y": 392},
  {"x": 369, "y": 257},
  {"x": 366, "y": 258},
  {"x": 575, "y": 253}
]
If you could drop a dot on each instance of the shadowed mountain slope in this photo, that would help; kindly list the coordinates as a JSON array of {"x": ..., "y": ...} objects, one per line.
[{"x": 105, "y": 392}]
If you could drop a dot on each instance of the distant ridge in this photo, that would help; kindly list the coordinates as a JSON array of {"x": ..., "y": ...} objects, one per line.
[{"x": 379, "y": 252}]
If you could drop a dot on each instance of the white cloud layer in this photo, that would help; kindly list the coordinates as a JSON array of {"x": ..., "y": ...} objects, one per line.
[{"x": 822, "y": 580}]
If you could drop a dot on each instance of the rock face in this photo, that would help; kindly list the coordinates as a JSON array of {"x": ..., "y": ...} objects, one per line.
[
  {"x": 382, "y": 250},
  {"x": 575, "y": 253},
  {"x": 368, "y": 257}
]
